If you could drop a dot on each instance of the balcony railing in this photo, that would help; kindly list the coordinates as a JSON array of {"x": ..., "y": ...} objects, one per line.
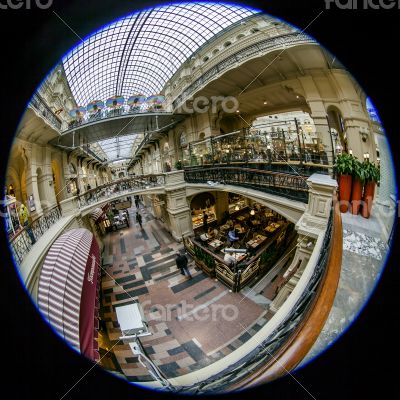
[
  {"x": 43, "y": 109},
  {"x": 255, "y": 50},
  {"x": 120, "y": 187},
  {"x": 264, "y": 353},
  {"x": 118, "y": 112},
  {"x": 291, "y": 186},
  {"x": 24, "y": 240}
]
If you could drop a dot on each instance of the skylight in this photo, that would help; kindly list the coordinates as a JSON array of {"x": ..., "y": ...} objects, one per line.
[
  {"x": 138, "y": 54},
  {"x": 119, "y": 147}
]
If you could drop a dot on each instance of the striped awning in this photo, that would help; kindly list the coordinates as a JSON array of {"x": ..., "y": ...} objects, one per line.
[
  {"x": 67, "y": 286},
  {"x": 96, "y": 214}
]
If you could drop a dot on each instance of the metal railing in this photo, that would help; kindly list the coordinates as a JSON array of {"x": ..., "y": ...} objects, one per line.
[
  {"x": 263, "y": 353},
  {"x": 272, "y": 143},
  {"x": 43, "y": 109},
  {"x": 292, "y": 186},
  {"x": 120, "y": 187},
  {"x": 105, "y": 114},
  {"x": 24, "y": 240},
  {"x": 255, "y": 50}
]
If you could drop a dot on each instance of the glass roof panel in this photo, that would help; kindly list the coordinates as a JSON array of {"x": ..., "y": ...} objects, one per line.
[
  {"x": 118, "y": 147},
  {"x": 140, "y": 52}
]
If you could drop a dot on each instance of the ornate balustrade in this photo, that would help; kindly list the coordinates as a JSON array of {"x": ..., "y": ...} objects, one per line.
[
  {"x": 120, "y": 187},
  {"x": 106, "y": 114},
  {"x": 255, "y": 50},
  {"x": 292, "y": 186},
  {"x": 22, "y": 242},
  {"x": 43, "y": 109}
]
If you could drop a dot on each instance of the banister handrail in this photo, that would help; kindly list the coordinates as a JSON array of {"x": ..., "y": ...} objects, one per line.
[
  {"x": 300, "y": 342},
  {"x": 32, "y": 222},
  {"x": 22, "y": 242}
]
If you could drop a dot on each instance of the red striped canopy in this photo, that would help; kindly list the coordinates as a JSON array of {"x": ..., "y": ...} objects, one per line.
[{"x": 67, "y": 288}]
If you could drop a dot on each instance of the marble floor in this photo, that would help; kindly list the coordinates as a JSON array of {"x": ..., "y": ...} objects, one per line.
[
  {"x": 364, "y": 254},
  {"x": 194, "y": 322}
]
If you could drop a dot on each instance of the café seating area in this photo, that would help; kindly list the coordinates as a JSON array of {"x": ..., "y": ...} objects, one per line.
[{"x": 262, "y": 237}]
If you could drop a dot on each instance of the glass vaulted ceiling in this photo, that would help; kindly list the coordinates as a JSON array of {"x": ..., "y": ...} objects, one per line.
[{"x": 141, "y": 52}]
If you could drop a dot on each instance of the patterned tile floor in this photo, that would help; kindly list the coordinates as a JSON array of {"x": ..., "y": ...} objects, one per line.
[{"x": 194, "y": 321}]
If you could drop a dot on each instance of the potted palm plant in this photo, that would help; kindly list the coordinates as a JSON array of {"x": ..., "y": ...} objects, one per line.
[
  {"x": 372, "y": 175},
  {"x": 344, "y": 170},
  {"x": 357, "y": 186}
]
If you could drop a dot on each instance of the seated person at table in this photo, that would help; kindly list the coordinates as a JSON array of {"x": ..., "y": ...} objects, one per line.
[
  {"x": 229, "y": 259},
  {"x": 232, "y": 235}
]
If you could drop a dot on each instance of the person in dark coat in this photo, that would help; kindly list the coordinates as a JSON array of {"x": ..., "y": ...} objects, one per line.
[
  {"x": 205, "y": 223},
  {"x": 182, "y": 263},
  {"x": 139, "y": 220}
]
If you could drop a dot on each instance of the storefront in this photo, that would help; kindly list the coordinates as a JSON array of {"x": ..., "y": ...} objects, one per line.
[
  {"x": 203, "y": 203},
  {"x": 71, "y": 306}
]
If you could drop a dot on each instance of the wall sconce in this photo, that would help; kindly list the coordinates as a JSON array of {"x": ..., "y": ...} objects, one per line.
[
  {"x": 351, "y": 152},
  {"x": 366, "y": 156},
  {"x": 237, "y": 208},
  {"x": 252, "y": 212},
  {"x": 50, "y": 183}
]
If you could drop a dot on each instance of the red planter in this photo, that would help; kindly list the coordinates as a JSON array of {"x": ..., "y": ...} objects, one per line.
[
  {"x": 356, "y": 195},
  {"x": 344, "y": 192},
  {"x": 369, "y": 192}
]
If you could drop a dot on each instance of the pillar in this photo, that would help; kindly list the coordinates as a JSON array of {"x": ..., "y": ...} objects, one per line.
[{"x": 180, "y": 220}]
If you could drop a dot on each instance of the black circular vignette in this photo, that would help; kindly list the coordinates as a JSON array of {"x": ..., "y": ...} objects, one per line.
[{"x": 37, "y": 363}]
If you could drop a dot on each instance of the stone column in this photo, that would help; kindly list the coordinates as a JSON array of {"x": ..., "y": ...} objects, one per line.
[
  {"x": 318, "y": 114},
  {"x": 221, "y": 204},
  {"x": 32, "y": 188},
  {"x": 46, "y": 180},
  {"x": 177, "y": 206}
]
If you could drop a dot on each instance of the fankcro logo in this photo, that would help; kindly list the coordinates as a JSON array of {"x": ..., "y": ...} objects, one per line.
[
  {"x": 26, "y": 4},
  {"x": 363, "y": 4}
]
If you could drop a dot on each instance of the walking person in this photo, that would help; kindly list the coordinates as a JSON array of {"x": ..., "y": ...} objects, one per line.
[
  {"x": 139, "y": 219},
  {"x": 137, "y": 201},
  {"x": 182, "y": 263}
]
